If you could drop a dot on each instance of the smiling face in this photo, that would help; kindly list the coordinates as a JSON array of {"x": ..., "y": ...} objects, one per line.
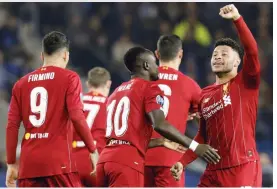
[{"x": 224, "y": 59}]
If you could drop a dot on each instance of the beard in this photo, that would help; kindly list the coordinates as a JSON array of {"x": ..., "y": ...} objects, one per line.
[{"x": 227, "y": 68}]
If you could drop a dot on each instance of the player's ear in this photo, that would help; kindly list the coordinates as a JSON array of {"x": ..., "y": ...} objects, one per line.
[
  {"x": 238, "y": 62},
  {"x": 87, "y": 84},
  {"x": 66, "y": 56},
  {"x": 157, "y": 54},
  {"x": 42, "y": 56},
  {"x": 180, "y": 54},
  {"x": 108, "y": 84},
  {"x": 146, "y": 65}
]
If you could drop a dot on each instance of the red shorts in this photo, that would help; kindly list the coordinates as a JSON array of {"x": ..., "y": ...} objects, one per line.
[
  {"x": 63, "y": 180},
  {"x": 248, "y": 174},
  {"x": 111, "y": 174},
  {"x": 84, "y": 167},
  {"x": 161, "y": 177}
]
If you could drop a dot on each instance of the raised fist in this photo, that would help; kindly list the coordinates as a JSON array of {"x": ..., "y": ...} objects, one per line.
[{"x": 229, "y": 12}]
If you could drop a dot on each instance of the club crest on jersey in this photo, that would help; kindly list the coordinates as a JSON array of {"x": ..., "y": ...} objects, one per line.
[
  {"x": 227, "y": 100},
  {"x": 160, "y": 100},
  {"x": 206, "y": 100},
  {"x": 225, "y": 89}
]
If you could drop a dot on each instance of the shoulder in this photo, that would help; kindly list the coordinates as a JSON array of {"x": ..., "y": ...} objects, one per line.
[
  {"x": 152, "y": 89},
  {"x": 186, "y": 78},
  {"x": 69, "y": 73},
  {"x": 189, "y": 82},
  {"x": 207, "y": 90},
  {"x": 23, "y": 80}
]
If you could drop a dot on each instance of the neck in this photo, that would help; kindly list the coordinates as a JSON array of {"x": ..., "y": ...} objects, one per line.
[
  {"x": 98, "y": 90},
  {"x": 52, "y": 63},
  {"x": 224, "y": 77},
  {"x": 54, "y": 60},
  {"x": 142, "y": 76},
  {"x": 174, "y": 64}
]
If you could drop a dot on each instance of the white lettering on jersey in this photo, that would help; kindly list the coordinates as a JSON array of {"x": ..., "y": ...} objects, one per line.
[
  {"x": 209, "y": 111},
  {"x": 166, "y": 76},
  {"x": 94, "y": 98},
  {"x": 41, "y": 77},
  {"x": 227, "y": 100},
  {"x": 125, "y": 87}
]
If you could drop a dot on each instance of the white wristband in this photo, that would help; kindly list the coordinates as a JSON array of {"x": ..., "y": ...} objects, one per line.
[{"x": 193, "y": 145}]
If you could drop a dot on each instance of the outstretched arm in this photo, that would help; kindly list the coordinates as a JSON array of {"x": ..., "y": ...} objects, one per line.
[
  {"x": 251, "y": 66},
  {"x": 153, "y": 103}
]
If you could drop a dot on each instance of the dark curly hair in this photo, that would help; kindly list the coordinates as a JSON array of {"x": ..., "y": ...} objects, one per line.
[
  {"x": 132, "y": 56},
  {"x": 54, "y": 41}
]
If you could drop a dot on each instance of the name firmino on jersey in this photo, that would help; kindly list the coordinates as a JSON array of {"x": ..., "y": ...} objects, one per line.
[
  {"x": 41, "y": 77},
  {"x": 166, "y": 76}
]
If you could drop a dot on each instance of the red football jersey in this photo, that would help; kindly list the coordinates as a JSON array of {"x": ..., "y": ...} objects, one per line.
[
  {"x": 42, "y": 100},
  {"x": 128, "y": 128},
  {"x": 229, "y": 111},
  {"x": 95, "y": 112},
  {"x": 181, "y": 96}
]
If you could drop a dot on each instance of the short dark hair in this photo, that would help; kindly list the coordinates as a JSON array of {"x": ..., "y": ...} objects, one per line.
[
  {"x": 132, "y": 55},
  {"x": 98, "y": 76},
  {"x": 54, "y": 41},
  {"x": 231, "y": 43},
  {"x": 169, "y": 46}
]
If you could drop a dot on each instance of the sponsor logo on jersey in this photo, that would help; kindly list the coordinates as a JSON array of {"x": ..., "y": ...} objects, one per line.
[{"x": 160, "y": 100}]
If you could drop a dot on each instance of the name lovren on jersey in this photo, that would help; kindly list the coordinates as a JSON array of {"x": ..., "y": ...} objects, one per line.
[
  {"x": 209, "y": 111},
  {"x": 166, "y": 76},
  {"x": 42, "y": 76}
]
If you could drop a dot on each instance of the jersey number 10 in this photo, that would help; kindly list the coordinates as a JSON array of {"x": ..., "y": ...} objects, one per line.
[{"x": 122, "y": 106}]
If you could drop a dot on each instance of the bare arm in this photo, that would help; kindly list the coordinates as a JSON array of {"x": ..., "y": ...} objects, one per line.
[
  {"x": 189, "y": 155},
  {"x": 165, "y": 129},
  {"x": 168, "y": 131},
  {"x": 156, "y": 142}
]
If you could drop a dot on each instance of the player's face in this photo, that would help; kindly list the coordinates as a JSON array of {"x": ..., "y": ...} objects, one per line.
[
  {"x": 223, "y": 59},
  {"x": 153, "y": 67}
]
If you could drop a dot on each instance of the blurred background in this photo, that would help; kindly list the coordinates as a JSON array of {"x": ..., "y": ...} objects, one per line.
[{"x": 102, "y": 32}]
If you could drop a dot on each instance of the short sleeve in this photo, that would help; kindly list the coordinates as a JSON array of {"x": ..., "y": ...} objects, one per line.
[
  {"x": 153, "y": 98},
  {"x": 74, "y": 93},
  {"x": 14, "y": 107},
  {"x": 195, "y": 99}
]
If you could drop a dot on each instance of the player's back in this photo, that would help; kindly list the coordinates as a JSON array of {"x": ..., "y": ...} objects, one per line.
[
  {"x": 95, "y": 113},
  {"x": 128, "y": 129},
  {"x": 181, "y": 95},
  {"x": 46, "y": 146}
]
